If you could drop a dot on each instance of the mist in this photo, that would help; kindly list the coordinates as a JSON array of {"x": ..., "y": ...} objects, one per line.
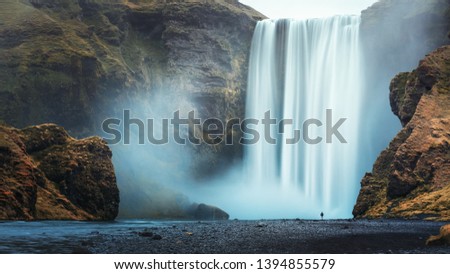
[
  {"x": 152, "y": 178},
  {"x": 395, "y": 36},
  {"x": 162, "y": 181}
]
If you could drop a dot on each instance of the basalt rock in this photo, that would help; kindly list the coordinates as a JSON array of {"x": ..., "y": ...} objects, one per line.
[{"x": 46, "y": 174}]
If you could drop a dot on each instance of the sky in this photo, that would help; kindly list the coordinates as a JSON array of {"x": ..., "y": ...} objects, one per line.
[{"x": 301, "y": 9}]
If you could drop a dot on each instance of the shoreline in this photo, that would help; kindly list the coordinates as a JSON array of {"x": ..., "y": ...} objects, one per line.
[
  {"x": 221, "y": 237},
  {"x": 279, "y": 237}
]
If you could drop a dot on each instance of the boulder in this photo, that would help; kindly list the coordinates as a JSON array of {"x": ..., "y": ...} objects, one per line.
[
  {"x": 207, "y": 212},
  {"x": 46, "y": 174},
  {"x": 442, "y": 239}
]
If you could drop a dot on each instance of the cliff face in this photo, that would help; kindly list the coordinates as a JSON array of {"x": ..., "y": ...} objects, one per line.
[
  {"x": 46, "y": 174},
  {"x": 410, "y": 179},
  {"x": 77, "y": 63},
  {"x": 69, "y": 62}
]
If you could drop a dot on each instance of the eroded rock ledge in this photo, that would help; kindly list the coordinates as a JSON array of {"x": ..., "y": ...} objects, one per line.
[{"x": 46, "y": 174}]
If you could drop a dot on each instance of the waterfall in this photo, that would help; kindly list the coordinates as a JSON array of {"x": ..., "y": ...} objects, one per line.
[{"x": 298, "y": 70}]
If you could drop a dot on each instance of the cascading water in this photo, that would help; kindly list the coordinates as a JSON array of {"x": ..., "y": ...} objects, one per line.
[{"x": 300, "y": 70}]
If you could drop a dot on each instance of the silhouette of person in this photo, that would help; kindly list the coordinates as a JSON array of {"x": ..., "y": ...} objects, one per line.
[{"x": 321, "y": 215}]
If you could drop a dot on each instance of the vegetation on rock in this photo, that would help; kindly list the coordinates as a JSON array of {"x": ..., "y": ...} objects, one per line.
[
  {"x": 442, "y": 239},
  {"x": 46, "y": 174},
  {"x": 410, "y": 179}
]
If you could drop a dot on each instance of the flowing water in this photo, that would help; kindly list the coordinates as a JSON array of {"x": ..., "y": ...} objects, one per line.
[
  {"x": 302, "y": 70},
  {"x": 65, "y": 236}
]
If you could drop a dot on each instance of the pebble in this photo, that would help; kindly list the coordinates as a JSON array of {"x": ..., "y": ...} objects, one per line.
[
  {"x": 146, "y": 234},
  {"x": 261, "y": 224},
  {"x": 157, "y": 237}
]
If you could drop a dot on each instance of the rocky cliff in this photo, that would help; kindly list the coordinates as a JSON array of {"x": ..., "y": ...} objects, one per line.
[
  {"x": 46, "y": 174},
  {"x": 69, "y": 62},
  {"x": 395, "y": 36},
  {"x": 76, "y": 63},
  {"x": 410, "y": 179}
]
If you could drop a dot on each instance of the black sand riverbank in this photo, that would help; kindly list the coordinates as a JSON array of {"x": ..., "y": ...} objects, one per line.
[
  {"x": 259, "y": 237},
  {"x": 277, "y": 237}
]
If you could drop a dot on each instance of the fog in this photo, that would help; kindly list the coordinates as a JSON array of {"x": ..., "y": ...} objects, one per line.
[
  {"x": 161, "y": 181},
  {"x": 152, "y": 178}
]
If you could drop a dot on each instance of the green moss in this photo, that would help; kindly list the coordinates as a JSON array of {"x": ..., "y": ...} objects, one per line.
[
  {"x": 146, "y": 56},
  {"x": 47, "y": 80}
]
